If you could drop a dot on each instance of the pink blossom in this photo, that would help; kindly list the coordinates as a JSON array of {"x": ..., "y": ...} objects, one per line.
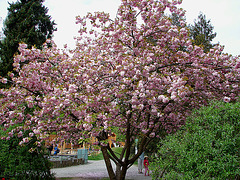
[
  {"x": 10, "y": 134},
  {"x": 152, "y": 134},
  {"x": 227, "y": 99},
  {"x": 48, "y": 41},
  {"x": 144, "y": 131},
  {"x": 122, "y": 74},
  {"x": 20, "y": 134},
  {"x": 25, "y": 140},
  {"x": 21, "y": 143},
  {"x": 163, "y": 98},
  {"x": 73, "y": 88},
  {"x": 4, "y": 80},
  {"x": 36, "y": 131},
  {"x": 22, "y": 46}
]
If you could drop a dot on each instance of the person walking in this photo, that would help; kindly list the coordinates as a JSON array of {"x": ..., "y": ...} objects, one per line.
[
  {"x": 140, "y": 163},
  {"x": 146, "y": 164}
]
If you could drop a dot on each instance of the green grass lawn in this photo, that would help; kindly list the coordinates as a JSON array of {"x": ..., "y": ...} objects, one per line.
[
  {"x": 99, "y": 155},
  {"x": 95, "y": 156}
]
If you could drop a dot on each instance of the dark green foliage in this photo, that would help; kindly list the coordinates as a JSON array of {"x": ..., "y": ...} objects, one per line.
[
  {"x": 207, "y": 147},
  {"x": 151, "y": 148},
  {"x": 202, "y": 33},
  {"x": 176, "y": 19},
  {"x": 23, "y": 162},
  {"x": 27, "y": 21}
]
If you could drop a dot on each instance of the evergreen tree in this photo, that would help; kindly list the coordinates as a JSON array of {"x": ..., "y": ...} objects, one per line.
[
  {"x": 1, "y": 33},
  {"x": 202, "y": 32},
  {"x": 27, "y": 21},
  {"x": 176, "y": 19}
]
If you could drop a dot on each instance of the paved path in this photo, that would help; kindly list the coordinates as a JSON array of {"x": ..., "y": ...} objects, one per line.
[{"x": 94, "y": 170}]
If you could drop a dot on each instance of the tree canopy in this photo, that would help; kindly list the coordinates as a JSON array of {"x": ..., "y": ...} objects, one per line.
[
  {"x": 27, "y": 21},
  {"x": 207, "y": 147},
  {"x": 202, "y": 32},
  {"x": 126, "y": 72}
]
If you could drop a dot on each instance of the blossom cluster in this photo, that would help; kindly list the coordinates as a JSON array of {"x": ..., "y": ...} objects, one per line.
[{"x": 138, "y": 72}]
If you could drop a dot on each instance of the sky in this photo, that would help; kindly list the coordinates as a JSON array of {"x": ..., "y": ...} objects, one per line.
[{"x": 224, "y": 16}]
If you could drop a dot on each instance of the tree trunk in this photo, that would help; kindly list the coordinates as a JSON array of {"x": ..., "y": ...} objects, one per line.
[
  {"x": 118, "y": 171},
  {"x": 111, "y": 173},
  {"x": 123, "y": 173}
]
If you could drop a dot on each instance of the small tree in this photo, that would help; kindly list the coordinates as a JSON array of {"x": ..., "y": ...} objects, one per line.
[
  {"x": 118, "y": 76},
  {"x": 27, "y": 21},
  {"x": 206, "y": 147},
  {"x": 202, "y": 33},
  {"x": 27, "y": 161}
]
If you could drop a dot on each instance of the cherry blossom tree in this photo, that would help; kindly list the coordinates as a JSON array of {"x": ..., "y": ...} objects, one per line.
[{"x": 137, "y": 72}]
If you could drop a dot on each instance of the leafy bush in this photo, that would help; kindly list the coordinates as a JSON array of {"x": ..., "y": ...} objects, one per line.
[
  {"x": 207, "y": 147},
  {"x": 23, "y": 162}
]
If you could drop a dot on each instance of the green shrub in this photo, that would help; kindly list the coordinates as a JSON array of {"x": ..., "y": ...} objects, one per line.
[
  {"x": 207, "y": 147},
  {"x": 23, "y": 162}
]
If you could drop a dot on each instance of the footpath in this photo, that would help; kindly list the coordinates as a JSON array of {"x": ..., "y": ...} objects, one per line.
[{"x": 94, "y": 170}]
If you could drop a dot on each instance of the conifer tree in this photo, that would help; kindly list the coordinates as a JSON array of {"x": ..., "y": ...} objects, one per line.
[
  {"x": 27, "y": 21},
  {"x": 202, "y": 32}
]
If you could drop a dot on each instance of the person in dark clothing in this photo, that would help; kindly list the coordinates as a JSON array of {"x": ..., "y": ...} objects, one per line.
[{"x": 50, "y": 148}]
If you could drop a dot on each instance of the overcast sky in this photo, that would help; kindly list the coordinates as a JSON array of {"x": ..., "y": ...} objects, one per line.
[{"x": 224, "y": 16}]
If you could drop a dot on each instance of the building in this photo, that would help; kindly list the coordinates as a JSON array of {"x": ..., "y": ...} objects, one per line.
[{"x": 69, "y": 148}]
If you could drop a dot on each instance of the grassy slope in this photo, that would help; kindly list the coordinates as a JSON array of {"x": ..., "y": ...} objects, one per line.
[{"x": 99, "y": 156}]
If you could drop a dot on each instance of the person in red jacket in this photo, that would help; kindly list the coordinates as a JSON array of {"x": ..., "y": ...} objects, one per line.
[{"x": 146, "y": 164}]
